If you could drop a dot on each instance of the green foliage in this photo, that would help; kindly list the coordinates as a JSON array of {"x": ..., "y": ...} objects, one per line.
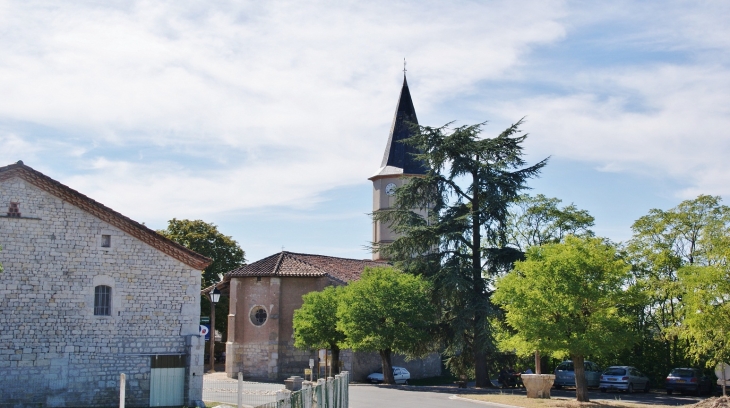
[
  {"x": 387, "y": 310},
  {"x": 539, "y": 220},
  {"x": 455, "y": 218},
  {"x": 315, "y": 323},
  {"x": 205, "y": 239},
  {"x": 664, "y": 242},
  {"x": 706, "y": 325},
  {"x": 568, "y": 299}
]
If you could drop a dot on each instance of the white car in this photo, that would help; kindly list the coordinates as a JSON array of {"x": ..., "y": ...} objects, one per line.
[{"x": 400, "y": 374}]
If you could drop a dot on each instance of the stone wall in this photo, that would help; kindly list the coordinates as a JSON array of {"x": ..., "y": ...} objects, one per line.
[
  {"x": 53, "y": 350},
  {"x": 364, "y": 364}
]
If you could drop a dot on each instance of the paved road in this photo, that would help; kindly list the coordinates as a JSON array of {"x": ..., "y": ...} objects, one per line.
[
  {"x": 365, "y": 395},
  {"x": 369, "y": 396}
]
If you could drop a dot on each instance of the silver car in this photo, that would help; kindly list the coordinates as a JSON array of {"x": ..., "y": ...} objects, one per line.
[
  {"x": 565, "y": 374},
  {"x": 624, "y": 378},
  {"x": 400, "y": 374}
]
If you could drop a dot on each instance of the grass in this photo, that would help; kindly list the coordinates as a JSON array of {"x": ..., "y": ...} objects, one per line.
[{"x": 522, "y": 401}]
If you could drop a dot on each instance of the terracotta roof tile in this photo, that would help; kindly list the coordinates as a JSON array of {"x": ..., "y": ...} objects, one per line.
[{"x": 293, "y": 264}]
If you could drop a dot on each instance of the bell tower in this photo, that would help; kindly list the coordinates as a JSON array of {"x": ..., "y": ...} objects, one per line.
[{"x": 399, "y": 164}]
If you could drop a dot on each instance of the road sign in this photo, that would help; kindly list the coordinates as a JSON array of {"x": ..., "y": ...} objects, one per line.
[
  {"x": 204, "y": 319},
  {"x": 205, "y": 331}
]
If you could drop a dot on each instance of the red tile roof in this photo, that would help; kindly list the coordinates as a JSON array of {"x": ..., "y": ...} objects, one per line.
[
  {"x": 105, "y": 213},
  {"x": 293, "y": 264}
]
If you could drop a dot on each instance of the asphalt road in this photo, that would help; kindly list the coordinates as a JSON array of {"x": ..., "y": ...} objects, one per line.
[{"x": 366, "y": 395}]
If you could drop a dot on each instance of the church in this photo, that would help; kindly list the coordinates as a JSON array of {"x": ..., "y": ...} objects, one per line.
[{"x": 264, "y": 294}]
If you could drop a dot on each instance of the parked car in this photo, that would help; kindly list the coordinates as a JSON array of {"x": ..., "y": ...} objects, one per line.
[
  {"x": 400, "y": 374},
  {"x": 688, "y": 380},
  {"x": 624, "y": 378},
  {"x": 565, "y": 374}
]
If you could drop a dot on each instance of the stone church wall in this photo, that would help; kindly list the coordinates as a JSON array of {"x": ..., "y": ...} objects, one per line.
[{"x": 53, "y": 350}]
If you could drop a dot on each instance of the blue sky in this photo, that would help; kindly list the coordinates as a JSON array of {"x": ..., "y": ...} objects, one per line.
[{"x": 267, "y": 118}]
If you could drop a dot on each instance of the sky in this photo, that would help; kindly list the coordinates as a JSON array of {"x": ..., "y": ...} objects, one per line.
[{"x": 267, "y": 118}]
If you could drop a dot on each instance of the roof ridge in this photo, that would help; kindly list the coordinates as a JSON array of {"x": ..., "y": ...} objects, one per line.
[
  {"x": 314, "y": 266},
  {"x": 106, "y": 214},
  {"x": 278, "y": 263},
  {"x": 329, "y": 256}
]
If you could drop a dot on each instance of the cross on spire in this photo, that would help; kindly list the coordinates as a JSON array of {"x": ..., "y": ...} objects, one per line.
[{"x": 404, "y": 67}]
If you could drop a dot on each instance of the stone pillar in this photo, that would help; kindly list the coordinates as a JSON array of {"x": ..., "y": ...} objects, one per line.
[
  {"x": 195, "y": 345},
  {"x": 538, "y": 385},
  {"x": 293, "y": 383}
]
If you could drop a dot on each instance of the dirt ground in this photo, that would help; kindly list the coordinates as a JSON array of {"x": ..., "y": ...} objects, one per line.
[{"x": 558, "y": 402}]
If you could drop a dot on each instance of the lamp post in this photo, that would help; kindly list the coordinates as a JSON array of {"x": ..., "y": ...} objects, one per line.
[{"x": 215, "y": 295}]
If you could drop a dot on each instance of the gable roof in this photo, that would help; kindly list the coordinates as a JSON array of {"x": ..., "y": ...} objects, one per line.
[
  {"x": 105, "y": 213},
  {"x": 288, "y": 263},
  {"x": 399, "y": 157}
]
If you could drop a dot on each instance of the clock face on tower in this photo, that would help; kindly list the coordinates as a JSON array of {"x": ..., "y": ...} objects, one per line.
[{"x": 390, "y": 189}]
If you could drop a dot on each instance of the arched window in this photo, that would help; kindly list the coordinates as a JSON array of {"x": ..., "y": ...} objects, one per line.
[{"x": 102, "y": 300}]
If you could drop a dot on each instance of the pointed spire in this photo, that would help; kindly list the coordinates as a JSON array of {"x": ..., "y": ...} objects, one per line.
[{"x": 398, "y": 154}]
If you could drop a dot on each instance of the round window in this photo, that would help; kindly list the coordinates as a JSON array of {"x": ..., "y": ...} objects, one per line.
[{"x": 258, "y": 315}]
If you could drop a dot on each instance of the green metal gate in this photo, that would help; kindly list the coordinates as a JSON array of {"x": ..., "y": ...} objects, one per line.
[{"x": 167, "y": 381}]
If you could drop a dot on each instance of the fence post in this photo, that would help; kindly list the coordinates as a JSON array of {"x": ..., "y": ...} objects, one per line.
[
  {"x": 347, "y": 389},
  {"x": 330, "y": 392},
  {"x": 283, "y": 399},
  {"x": 321, "y": 385},
  {"x": 338, "y": 391},
  {"x": 122, "y": 389},
  {"x": 240, "y": 390},
  {"x": 306, "y": 394}
]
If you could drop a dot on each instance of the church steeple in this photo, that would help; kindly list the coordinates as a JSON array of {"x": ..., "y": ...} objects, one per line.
[
  {"x": 399, "y": 155},
  {"x": 398, "y": 166}
]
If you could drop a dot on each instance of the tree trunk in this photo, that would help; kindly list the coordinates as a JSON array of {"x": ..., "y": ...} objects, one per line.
[
  {"x": 335, "y": 359},
  {"x": 480, "y": 337},
  {"x": 581, "y": 386},
  {"x": 387, "y": 367},
  {"x": 480, "y": 356}
]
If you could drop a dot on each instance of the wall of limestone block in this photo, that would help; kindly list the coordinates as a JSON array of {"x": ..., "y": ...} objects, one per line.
[{"x": 53, "y": 350}]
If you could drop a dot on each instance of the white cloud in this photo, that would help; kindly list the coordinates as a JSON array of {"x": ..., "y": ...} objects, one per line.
[
  {"x": 205, "y": 108},
  {"x": 201, "y": 108}
]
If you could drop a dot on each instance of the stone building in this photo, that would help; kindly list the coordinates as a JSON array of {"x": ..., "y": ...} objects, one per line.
[
  {"x": 264, "y": 294},
  {"x": 87, "y": 294},
  {"x": 263, "y": 297}
]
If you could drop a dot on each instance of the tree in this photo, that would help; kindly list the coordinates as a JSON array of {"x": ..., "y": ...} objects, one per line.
[
  {"x": 315, "y": 323},
  {"x": 539, "y": 220},
  {"x": 460, "y": 243},
  {"x": 568, "y": 299},
  {"x": 205, "y": 239},
  {"x": 387, "y": 311},
  {"x": 706, "y": 324},
  {"x": 664, "y": 242}
]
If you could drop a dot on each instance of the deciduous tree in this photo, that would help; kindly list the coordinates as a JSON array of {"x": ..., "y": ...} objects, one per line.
[
  {"x": 460, "y": 244},
  {"x": 315, "y": 323},
  {"x": 706, "y": 324},
  {"x": 663, "y": 242},
  {"x": 568, "y": 299},
  {"x": 389, "y": 312},
  {"x": 205, "y": 239},
  {"x": 537, "y": 220}
]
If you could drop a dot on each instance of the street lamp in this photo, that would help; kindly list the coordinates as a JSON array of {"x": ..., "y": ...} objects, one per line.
[{"x": 215, "y": 296}]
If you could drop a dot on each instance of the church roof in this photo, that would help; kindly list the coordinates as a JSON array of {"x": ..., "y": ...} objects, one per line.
[
  {"x": 105, "y": 214},
  {"x": 399, "y": 155},
  {"x": 288, "y": 263}
]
